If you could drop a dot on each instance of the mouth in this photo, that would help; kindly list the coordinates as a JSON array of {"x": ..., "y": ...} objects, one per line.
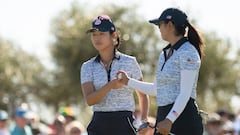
[{"x": 98, "y": 43}]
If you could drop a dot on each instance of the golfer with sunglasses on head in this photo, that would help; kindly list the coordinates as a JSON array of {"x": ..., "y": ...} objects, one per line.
[
  {"x": 113, "y": 104},
  {"x": 176, "y": 77}
]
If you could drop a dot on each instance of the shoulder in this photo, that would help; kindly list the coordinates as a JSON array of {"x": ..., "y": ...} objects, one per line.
[
  {"x": 187, "y": 46},
  {"x": 125, "y": 57},
  {"x": 86, "y": 66},
  {"x": 189, "y": 57},
  {"x": 187, "y": 49},
  {"x": 90, "y": 61}
]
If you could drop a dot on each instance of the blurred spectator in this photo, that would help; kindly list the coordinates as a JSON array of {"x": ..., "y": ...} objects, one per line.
[
  {"x": 20, "y": 125},
  {"x": 75, "y": 128},
  {"x": 38, "y": 127},
  {"x": 63, "y": 118},
  {"x": 236, "y": 123},
  {"x": 228, "y": 128},
  {"x": 214, "y": 125},
  {"x": 224, "y": 115},
  {"x": 58, "y": 126},
  {"x": 3, "y": 123},
  {"x": 67, "y": 112},
  {"x": 34, "y": 124}
]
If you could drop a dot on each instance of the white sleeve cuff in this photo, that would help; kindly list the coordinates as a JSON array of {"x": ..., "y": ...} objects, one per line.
[{"x": 172, "y": 116}]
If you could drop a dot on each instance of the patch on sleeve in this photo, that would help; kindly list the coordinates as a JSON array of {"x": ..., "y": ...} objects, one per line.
[
  {"x": 175, "y": 113},
  {"x": 191, "y": 61}
]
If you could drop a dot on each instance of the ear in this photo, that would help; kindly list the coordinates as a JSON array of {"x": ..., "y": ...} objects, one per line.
[
  {"x": 114, "y": 34},
  {"x": 171, "y": 26}
]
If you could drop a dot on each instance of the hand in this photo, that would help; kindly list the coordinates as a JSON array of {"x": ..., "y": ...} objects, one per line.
[
  {"x": 145, "y": 128},
  {"x": 164, "y": 126},
  {"x": 122, "y": 77},
  {"x": 144, "y": 131},
  {"x": 116, "y": 84}
]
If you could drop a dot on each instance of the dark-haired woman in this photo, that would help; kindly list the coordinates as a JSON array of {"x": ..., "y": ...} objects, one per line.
[
  {"x": 176, "y": 77},
  {"x": 112, "y": 104}
]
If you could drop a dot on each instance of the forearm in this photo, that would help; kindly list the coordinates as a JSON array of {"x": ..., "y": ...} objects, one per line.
[
  {"x": 187, "y": 81},
  {"x": 143, "y": 105},
  {"x": 97, "y": 95},
  {"x": 144, "y": 87}
]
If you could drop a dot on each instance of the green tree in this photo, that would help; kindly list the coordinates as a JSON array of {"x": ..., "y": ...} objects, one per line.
[
  {"x": 219, "y": 74},
  {"x": 21, "y": 75}
]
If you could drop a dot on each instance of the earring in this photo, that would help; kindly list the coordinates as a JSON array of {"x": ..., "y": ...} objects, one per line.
[{"x": 115, "y": 42}]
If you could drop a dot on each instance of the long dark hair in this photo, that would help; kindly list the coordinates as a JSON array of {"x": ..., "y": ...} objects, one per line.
[{"x": 194, "y": 36}]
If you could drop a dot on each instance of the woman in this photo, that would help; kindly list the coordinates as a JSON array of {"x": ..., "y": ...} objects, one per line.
[
  {"x": 176, "y": 77},
  {"x": 113, "y": 105}
]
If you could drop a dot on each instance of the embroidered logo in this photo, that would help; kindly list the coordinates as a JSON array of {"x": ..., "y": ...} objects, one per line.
[
  {"x": 190, "y": 61},
  {"x": 169, "y": 17},
  {"x": 175, "y": 113},
  {"x": 98, "y": 22}
]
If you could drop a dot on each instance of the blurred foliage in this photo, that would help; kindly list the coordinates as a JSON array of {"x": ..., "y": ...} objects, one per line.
[
  {"x": 22, "y": 75},
  {"x": 219, "y": 74}
]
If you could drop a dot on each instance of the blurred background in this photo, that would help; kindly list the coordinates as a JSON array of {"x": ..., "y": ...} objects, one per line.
[{"x": 43, "y": 45}]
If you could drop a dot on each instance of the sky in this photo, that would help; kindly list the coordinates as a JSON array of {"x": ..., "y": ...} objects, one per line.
[{"x": 27, "y": 23}]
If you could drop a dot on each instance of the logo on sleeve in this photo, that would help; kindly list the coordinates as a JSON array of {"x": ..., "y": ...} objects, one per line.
[
  {"x": 190, "y": 61},
  {"x": 175, "y": 113}
]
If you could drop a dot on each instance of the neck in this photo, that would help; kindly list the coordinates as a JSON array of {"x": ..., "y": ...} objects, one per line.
[
  {"x": 175, "y": 39},
  {"x": 106, "y": 57}
]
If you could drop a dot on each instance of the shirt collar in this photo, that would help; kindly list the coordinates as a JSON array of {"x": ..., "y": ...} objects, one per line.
[
  {"x": 177, "y": 45},
  {"x": 116, "y": 56}
]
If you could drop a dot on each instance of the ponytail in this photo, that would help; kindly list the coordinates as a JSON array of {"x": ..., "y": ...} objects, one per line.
[{"x": 195, "y": 39}]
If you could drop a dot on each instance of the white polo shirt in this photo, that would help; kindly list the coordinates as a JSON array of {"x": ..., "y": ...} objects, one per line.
[
  {"x": 184, "y": 57},
  {"x": 115, "y": 100}
]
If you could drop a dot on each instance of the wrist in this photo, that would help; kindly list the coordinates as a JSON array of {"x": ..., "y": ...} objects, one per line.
[
  {"x": 169, "y": 121},
  {"x": 127, "y": 80},
  {"x": 130, "y": 82},
  {"x": 144, "y": 120}
]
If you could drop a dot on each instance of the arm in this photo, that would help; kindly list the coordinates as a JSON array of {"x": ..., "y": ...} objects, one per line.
[
  {"x": 93, "y": 96},
  {"x": 187, "y": 81},
  {"x": 143, "y": 104},
  {"x": 144, "y": 87}
]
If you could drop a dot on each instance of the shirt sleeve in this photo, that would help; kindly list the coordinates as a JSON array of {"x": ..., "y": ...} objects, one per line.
[
  {"x": 86, "y": 73},
  {"x": 189, "y": 60},
  {"x": 144, "y": 87},
  {"x": 136, "y": 71},
  {"x": 187, "y": 81},
  {"x": 189, "y": 68}
]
